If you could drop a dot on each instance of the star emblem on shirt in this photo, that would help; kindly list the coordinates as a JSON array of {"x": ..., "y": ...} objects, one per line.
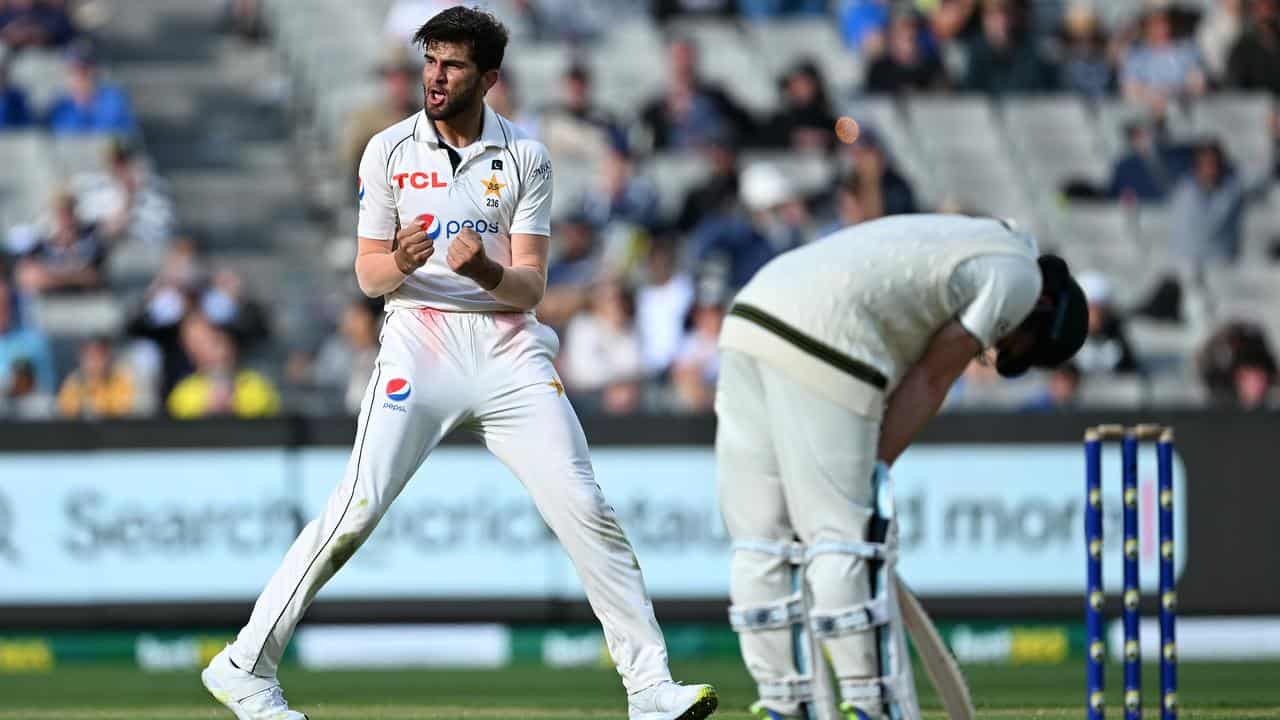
[
  {"x": 492, "y": 186},
  {"x": 558, "y": 386}
]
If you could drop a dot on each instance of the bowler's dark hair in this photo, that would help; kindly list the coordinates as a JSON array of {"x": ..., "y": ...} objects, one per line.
[{"x": 483, "y": 33}]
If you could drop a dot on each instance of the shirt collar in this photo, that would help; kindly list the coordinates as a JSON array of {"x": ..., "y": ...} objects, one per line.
[{"x": 493, "y": 134}]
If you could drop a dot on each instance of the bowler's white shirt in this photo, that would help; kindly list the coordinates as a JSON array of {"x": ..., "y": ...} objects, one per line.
[{"x": 502, "y": 186}]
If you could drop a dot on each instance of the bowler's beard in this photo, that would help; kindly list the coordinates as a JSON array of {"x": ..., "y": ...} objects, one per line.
[{"x": 458, "y": 102}]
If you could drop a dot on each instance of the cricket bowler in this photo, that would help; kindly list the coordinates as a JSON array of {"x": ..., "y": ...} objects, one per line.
[
  {"x": 834, "y": 356},
  {"x": 454, "y": 227}
]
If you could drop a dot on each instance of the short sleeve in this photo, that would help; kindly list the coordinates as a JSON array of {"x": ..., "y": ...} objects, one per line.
[
  {"x": 377, "y": 215},
  {"x": 533, "y": 209},
  {"x": 995, "y": 294}
]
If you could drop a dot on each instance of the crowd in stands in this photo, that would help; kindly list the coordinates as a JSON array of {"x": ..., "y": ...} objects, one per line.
[{"x": 637, "y": 293}]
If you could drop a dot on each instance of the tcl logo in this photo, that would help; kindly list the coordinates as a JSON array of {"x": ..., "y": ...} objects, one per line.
[{"x": 419, "y": 180}]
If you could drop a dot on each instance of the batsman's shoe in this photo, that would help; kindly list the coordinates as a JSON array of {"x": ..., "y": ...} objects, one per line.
[
  {"x": 248, "y": 696},
  {"x": 849, "y": 711},
  {"x": 672, "y": 701},
  {"x": 760, "y": 712}
]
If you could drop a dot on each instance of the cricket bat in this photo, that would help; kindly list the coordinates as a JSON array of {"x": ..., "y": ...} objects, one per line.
[{"x": 938, "y": 663}]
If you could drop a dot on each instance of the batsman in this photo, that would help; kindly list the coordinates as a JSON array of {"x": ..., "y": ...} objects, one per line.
[{"x": 833, "y": 357}]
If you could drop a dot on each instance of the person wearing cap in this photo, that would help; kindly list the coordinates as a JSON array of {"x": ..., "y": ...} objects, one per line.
[
  {"x": 399, "y": 74},
  {"x": 1161, "y": 68},
  {"x": 885, "y": 191},
  {"x": 833, "y": 357},
  {"x": 90, "y": 104},
  {"x": 730, "y": 249},
  {"x": 1107, "y": 348}
]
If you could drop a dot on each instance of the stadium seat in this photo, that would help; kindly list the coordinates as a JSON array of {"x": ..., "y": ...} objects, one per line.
[
  {"x": 728, "y": 57},
  {"x": 1161, "y": 347},
  {"x": 79, "y": 316},
  {"x": 784, "y": 43},
  {"x": 809, "y": 172},
  {"x": 1056, "y": 139},
  {"x": 1241, "y": 122},
  {"x": 675, "y": 174},
  {"x": 969, "y": 155},
  {"x": 1112, "y": 392},
  {"x": 42, "y": 73},
  {"x": 1262, "y": 229}
]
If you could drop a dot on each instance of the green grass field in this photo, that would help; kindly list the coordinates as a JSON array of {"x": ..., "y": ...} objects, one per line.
[{"x": 119, "y": 693}]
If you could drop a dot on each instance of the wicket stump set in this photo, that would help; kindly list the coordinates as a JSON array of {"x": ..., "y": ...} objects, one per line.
[{"x": 1129, "y": 438}]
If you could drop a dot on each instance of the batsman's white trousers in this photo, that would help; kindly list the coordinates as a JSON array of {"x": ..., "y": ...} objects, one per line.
[
  {"x": 791, "y": 463},
  {"x": 491, "y": 373}
]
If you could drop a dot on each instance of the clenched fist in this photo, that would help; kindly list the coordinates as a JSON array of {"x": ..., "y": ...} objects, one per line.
[
  {"x": 467, "y": 258},
  {"x": 413, "y": 247}
]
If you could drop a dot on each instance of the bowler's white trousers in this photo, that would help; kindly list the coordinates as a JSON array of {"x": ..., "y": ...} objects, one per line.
[
  {"x": 491, "y": 373},
  {"x": 793, "y": 464}
]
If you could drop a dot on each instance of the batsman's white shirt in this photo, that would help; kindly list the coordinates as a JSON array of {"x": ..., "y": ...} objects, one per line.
[
  {"x": 874, "y": 294},
  {"x": 451, "y": 357},
  {"x": 502, "y": 186},
  {"x": 812, "y": 346}
]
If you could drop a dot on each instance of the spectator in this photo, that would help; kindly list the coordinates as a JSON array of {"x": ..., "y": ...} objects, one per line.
[
  {"x": 1208, "y": 209},
  {"x": 847, "y": 208},
  {"x": 619, "y": 195},
  {"x": 805, "y": 120},
  {"x": 1151, "y": 167},
  {"x": 662, "y": 304},
  {"x": 1061, "y": 390},
  {"x": 882, "y": 190},
  {"x": 127, "y": 201},
  {"x": 244, "y": 18},
  {"x": 1254, "y": 63},
  {"x": 576, "y": 265},
  {"x": 346, "y": 360},
  {"x": 90, "y": 105},
  {"x": 768, "y": 9},
  {"x": 956, "y": 20},
  {"x": 979, "y": 386},
  {"x": 28, "y": 23},
  {"x": 166, "y": 302},
  {"x": 690, "y": 111},
  {"x": 401, "y": 97},
  {"x": 1002, "y": 59},
  {"x": 1238, "y": 367},
  {"x": 69, "y": 257},
  {"x": 19, "y": 342},
  {"x": 1107, "y": 349},
  {"x": 905, "y": 66},
  {"x": 574, "y": 129},
  {"x": 1161, "y": 69},
  {"x": 1217, "y": 35},
  {"x": 602, "y": 357},
  {"x": 15, "y": 113},
  {"x": 718, "y": 194},
  {"x": 730, "y": 249},
  {"x": 22, "y": 398},
  {"x": 228, "y": 306},
  {"x": 503, "y": 99},
  {"x": 1254, "y": 380},
  {"x": 1085, "y": 68},
  {"x": 218, "y": 387},
  {"x": 99, "y": 387},
  {"x": 863, "y": 24},
  {"x": 697, "y": 364}
]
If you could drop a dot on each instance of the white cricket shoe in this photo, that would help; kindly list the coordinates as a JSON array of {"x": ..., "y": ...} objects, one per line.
[
  {"x": 248, "y": 696},
  {"x": 672, "y": 701}
]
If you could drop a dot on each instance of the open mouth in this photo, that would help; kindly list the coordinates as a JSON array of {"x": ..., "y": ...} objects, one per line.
[{"x": 436, "y": 97}]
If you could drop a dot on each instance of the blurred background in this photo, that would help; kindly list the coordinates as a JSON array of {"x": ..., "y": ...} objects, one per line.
[{"x": 183, "y": 346}]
